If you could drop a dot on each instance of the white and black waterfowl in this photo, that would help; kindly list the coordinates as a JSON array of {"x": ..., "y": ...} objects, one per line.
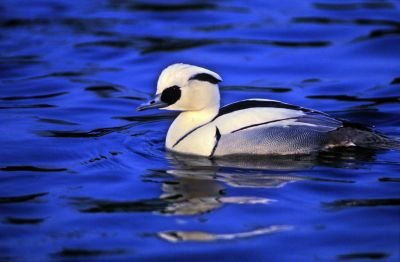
[{"x": 250, "y": 127}]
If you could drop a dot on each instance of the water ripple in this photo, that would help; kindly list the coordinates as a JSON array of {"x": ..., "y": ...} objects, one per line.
[
  {"x": 12, "y": 98},
  {"x": 349, "y": 203},
  {"x": 98, "y": 132},
  {"x": 80, "y": 252},
  {"x": 354, "y": 6},
  {"x": 23, "y": 221},
  {"x": 363, "y": 256},
  {"x": 22, "y": 198},
  {"x": 151, "y": 44},
  {"x": 32, "y": 169}
]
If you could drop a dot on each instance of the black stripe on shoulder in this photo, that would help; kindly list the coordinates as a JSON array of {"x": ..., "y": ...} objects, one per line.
[
  {"x": 257, "y": 103},
  {"x": 217, "y": 138},
  {"x": 263, "y": 123},
  {"x": 205, "y": 77}
]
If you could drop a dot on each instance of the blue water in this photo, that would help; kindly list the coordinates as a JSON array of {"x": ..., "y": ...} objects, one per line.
[{"x": 83, "y": 176}]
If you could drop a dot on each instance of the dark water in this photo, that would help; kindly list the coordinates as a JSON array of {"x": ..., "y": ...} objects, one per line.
[{"x": 85, "y": 177}]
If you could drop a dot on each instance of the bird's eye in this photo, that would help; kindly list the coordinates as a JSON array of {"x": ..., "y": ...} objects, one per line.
[{"x": 171, "y": 94}]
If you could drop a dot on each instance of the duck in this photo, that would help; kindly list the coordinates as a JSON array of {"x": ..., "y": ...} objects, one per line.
[{"x": 248, "y": 127}]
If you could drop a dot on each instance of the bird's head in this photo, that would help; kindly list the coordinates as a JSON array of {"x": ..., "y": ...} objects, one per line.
[{"x": 184, "y": 87}]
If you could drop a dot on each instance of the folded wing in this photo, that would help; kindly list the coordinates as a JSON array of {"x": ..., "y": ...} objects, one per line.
[{"x": 271, "y": 127}]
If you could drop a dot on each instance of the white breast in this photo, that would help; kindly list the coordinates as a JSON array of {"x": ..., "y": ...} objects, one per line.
[
  {"x": 192, "y": 132},
  {"x": 200, "y": 142},
  {"x": 202, "y": 139}
]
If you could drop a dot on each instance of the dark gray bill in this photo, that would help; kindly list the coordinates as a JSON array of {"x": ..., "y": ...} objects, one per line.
[{"x": 154, "y": 103}]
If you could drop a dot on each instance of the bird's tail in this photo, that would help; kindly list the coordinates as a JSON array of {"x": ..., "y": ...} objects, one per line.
[{"x": 367, "y": 138}]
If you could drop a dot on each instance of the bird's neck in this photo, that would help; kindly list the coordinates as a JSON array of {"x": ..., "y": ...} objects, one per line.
[{"x": 188, "y": 121}]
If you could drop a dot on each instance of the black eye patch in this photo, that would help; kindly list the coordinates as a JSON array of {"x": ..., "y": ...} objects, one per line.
[
  {"x": 171, "y": 94},
  {"x": 205, "y": 77}
]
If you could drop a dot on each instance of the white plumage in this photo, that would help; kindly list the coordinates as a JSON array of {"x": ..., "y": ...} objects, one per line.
[{"x": 254, "y": 126}]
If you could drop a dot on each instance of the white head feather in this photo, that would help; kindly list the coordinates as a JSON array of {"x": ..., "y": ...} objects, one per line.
[{"x": 195, "y": 94}]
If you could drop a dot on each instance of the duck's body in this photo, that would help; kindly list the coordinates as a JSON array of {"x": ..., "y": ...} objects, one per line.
[{"x": 251, "y": 127}]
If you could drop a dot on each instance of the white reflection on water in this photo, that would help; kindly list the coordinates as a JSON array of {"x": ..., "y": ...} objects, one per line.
[{"x": 184, "y": 236}]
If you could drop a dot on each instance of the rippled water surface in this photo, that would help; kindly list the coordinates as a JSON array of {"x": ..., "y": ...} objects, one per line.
[{"x": 83, "y": 176}]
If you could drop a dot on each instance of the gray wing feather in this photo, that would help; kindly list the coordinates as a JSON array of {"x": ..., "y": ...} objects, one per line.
[
  {"x": 319, "y": 122},
  {"x": 309, "y": 134}
]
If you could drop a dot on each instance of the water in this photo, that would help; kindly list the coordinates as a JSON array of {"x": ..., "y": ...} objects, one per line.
[{"x": 84, "y": 176}]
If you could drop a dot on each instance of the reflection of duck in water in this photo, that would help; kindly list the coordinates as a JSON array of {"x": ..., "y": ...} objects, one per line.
[
  {"x": 199, "y": 184},
  {"x": 201, "y": 190},
  {"x": 254, "y": 126},
  {"x": 193, "y": 185}
]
